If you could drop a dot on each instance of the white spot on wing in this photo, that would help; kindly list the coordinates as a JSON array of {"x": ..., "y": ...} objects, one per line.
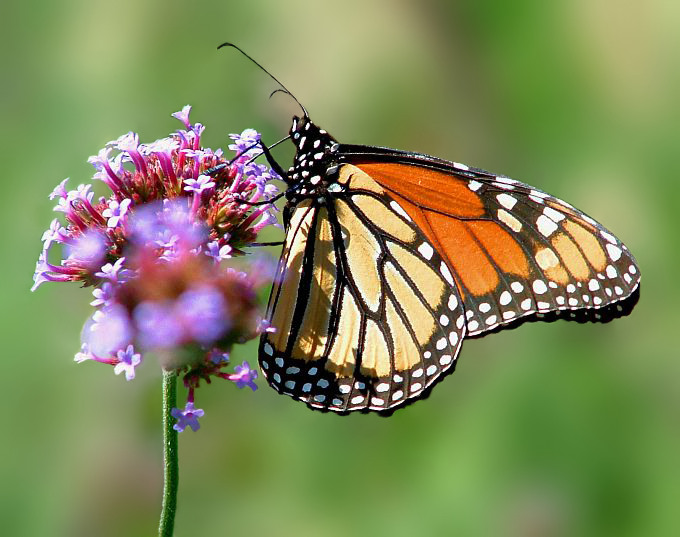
[
  {"x": 453, "y": 338},
  {"x": 614, "y": 252},
  {"x": 398, "y": 209},
  {"x": 426, "y": 250},
  {"x": 608, "y": 236},
  {"x": 546, "y": 258},
  {"x": 474, "y": 185},
  {"x": 554, "y": 215},
  {"x": 539, "y": 287},
  {"x": 545, "y": 225},
  {"x": 506, "y": 200},
  {"x": 509, "y": 220},
  {"x": 446, "y": 273}
]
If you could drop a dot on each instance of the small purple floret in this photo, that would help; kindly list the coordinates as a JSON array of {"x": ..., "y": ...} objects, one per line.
[
  {"x": 88, "y": 250},
  {"x": 217, "y": 252},
  {"x": 183, "y": 115},
  {"x": 204, "y": 313},
  {"x": 116, "y": 211},
  {"x": 114, "y": 272},
  {"x": 245, "y": 143},
  {"x": 102, "y": 295},
  {"x": 158, "y": 325},
  {"x": 129, "y": 359},
  {"x": 204, "y": 182},
  {"x": 107, "y": 331},
  {"x": 218, "y": 357},
  {"x": 244, "y": 376},
  {"x": 187, "y": 417}
]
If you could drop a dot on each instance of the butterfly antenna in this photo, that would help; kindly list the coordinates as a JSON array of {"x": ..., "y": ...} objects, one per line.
[{"x": 284, "y": 89}]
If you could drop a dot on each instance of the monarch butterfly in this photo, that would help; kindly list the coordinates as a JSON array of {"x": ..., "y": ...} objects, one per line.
[{"x": 392, "y": 258}]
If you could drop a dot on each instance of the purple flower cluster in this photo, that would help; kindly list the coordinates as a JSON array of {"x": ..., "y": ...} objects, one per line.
[{"x": 153, "y": 250}]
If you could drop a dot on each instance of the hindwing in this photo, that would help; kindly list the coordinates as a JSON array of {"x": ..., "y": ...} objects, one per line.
[{"x": 366, "y": 311}]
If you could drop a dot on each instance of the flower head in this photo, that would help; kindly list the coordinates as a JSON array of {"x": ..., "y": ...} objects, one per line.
[{"x": 153, "y": 251}]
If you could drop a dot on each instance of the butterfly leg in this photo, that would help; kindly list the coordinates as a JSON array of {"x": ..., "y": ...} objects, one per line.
[{"x": 274, "y": 243}]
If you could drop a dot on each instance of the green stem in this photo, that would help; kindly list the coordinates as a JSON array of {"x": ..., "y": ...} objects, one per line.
[{"x": 170, "y": 457}]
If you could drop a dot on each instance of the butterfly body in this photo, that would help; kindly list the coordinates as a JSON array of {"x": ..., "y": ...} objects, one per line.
[{"x": 392, "y": 258}]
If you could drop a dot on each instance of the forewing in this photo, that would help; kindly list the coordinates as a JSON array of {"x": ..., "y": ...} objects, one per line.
[{"x": 515, "y": 252}]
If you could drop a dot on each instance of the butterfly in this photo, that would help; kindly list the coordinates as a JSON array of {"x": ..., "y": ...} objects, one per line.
[{"x": 392, "y": 258}]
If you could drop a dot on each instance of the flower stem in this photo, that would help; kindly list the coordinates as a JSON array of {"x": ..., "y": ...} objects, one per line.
[{"x": 170, "y": 457}]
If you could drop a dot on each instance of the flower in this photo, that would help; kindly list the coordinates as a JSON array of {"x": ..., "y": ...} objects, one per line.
[
  {"x": 153, "y": 250},
  {"x": 187, "y": 417},
  {"x": 115, "y": 211},
  {"x": 244, "y": 376},
  {"x": 204, "y": 182},
  {"x": 128, "y": 360},
  {"x": 217, "y": 252}
]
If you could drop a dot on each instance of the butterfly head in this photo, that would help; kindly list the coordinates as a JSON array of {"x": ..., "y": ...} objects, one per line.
[
  {"x": 313, "y": 157},
  {"x": 307, "y": 137}
]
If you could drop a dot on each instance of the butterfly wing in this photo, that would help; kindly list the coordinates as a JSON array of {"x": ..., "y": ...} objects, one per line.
[
  {"x": 367, "y": 315},
  {"x": 514, "y": 252}
]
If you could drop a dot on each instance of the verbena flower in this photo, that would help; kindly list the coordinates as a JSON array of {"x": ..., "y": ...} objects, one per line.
[{"x": 154, "y": 251}]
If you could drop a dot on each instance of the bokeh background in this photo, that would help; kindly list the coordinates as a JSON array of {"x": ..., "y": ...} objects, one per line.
[{"x": 550, "y": 430}]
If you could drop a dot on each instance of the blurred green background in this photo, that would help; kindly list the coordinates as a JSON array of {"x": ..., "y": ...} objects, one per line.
[{"x": 550, "y": 430}]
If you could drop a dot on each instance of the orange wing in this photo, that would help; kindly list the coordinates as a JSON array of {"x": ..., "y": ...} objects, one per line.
[{"x": 514, "y": 252}]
